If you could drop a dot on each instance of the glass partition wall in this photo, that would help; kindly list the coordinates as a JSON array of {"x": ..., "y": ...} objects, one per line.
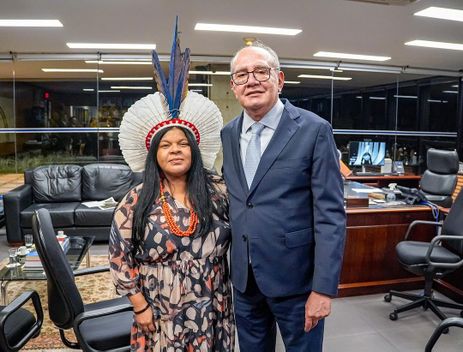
[
  {"x": 7, "y": 118},
  {"x": 67, "y": 109}
]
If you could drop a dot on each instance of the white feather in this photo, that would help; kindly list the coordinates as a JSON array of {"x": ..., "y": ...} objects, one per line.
[
  {"x": 135, "y": 126},
  {"x": 152, "y": 109}
]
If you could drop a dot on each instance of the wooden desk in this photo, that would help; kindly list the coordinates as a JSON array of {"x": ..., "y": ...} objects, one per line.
[
  {"x": 370, "y": 262},
  {"x": 383, "y": 181}
]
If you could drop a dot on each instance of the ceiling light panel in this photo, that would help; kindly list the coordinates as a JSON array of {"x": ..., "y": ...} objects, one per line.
[
  {"x": 436, "y": 45},
  {"x": 309, "y": 67},
  {"x": 336, "y": 55},
  {"x": 132, "y": 87},
  {"x": 30, "y": 23},
  {"x": 334, "y": 78},
  {"x": 101, "y": 90},
  {"x": 199, "y": 85},
  {"x": 211, "y": 73},
  {"x": 245, "y": 29},
  {"x": 71, "y": 70},
  {"x": 442, "y": 13},
  {"x": 405, "y": 96},
  {"x": 118, "y": 62},
  {"x": 437, "y": 101},
  {"x": 126, "y": 78},
  {"x": 117, "y": 46}
]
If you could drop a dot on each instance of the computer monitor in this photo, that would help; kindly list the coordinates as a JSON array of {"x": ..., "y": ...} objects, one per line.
[{"x": 367, "y": 153}]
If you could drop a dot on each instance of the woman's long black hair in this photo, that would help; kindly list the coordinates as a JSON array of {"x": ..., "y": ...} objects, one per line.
[{"x": 199, "y": 188}]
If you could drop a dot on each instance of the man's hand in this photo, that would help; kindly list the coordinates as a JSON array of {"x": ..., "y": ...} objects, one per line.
[{"x": 317, "y": 307}]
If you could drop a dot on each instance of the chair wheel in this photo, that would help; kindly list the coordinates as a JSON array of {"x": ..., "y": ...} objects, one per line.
[
  {"x": 393, "y": 316},
  {"x": 388, "y": 298}
]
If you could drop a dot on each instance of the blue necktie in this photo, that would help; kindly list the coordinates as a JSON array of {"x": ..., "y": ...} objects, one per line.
[{"x": 253, "y": 154}]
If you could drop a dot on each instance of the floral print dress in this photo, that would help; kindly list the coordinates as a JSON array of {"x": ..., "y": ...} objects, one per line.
[{"x": 184, "y": 279}]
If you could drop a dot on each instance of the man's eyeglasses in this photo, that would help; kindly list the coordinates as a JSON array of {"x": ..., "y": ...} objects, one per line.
[{"x": 261, "y": 74}]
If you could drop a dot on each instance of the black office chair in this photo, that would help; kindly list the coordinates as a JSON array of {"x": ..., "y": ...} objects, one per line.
[
  {"x": 442, "y": 328},
  {"x": 435, "y": 259},
  {"x": 440, "y": 179},
  {"x": 100, "y": 326},
  {"x": 18, "y": 325}
]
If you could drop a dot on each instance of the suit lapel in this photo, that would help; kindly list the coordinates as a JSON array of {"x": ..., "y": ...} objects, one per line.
[
  {"x": 237, "y": 154},
  {"x": 284, "y": 132}
]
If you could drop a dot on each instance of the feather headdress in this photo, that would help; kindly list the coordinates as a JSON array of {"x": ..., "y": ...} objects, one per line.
[{"x": 171, "y": 105}]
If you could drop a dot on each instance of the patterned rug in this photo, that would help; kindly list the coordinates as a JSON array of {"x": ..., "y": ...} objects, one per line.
[{"x": 92, "y": 288}]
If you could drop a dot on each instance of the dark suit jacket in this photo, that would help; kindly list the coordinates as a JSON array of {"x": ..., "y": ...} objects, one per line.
[{"x": 292, "y": 220}]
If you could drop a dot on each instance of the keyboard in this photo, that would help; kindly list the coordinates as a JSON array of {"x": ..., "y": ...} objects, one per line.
[{"x": 368, "y": 173}]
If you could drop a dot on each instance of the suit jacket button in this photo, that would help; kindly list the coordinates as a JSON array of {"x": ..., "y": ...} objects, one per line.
[
  {"x": 250, "y": 205},
  {"x": 245, "y": 238}
]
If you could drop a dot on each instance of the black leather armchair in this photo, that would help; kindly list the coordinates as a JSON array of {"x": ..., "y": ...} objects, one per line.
[
  {"x": 435, "y": 259},
  {"x": 439, "y": 180},
  {"x": 100, "y": 326},
  {"x": 442, "y": 328},
  {"x": 18, "y": 325}
]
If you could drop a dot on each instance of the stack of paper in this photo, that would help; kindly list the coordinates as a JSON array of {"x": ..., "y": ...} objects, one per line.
[
  {"x": 102, "y": 204},
  {"x": 33, "y": 262}
]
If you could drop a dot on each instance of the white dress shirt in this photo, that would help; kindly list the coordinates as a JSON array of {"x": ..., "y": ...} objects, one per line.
[{"x": 270, "y": 121}]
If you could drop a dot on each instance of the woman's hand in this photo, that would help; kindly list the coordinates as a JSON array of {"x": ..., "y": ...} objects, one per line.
[{"x": 145, "y": 320}]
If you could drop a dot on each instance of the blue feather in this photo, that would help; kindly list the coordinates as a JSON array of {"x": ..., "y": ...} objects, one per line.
[
  {"x": 181, "y": 81},
  {"x": 161, "y": 79},
  {"x": 175, "y": 62},
  {"x": 173, "y": 88}
]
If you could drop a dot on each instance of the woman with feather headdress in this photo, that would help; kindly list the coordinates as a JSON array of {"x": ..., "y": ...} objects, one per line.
[{"x": 170, "y": 235}]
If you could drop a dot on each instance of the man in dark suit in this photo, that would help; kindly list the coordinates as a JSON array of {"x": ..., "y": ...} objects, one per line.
[{"x": 286, "y": 210}]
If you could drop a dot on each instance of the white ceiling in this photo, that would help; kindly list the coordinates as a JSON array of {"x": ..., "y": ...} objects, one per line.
[{"x": 330, "y": 25}]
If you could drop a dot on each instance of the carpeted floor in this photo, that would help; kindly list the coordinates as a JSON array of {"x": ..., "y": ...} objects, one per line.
[{"x": 91, "y": 287}]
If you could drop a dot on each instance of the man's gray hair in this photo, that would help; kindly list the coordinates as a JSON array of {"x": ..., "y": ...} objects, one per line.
[{"x": 272, "y": 56}]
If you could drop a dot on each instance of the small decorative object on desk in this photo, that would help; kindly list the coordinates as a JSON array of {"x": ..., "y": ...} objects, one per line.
[
  {"x": 390, "y": 197},
  {"x": 21, "y": 254},
  {"x": 63, "y": 241}
]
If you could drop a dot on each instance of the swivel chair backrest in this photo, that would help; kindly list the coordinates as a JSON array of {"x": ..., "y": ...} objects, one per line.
[
  {"x": 64, "y": 300},
  {"x": 453, "y": 225},
  {"x": 440, "y": 178}
]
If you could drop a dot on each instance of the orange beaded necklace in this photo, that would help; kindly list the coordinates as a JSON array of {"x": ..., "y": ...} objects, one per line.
[{"x": 173, "y": 227}]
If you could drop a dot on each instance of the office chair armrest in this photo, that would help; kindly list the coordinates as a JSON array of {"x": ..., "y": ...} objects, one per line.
[
  {"x": 17, "y": 303},
  {"x": 420, "y": 222},
  {"x": 92, "y": 270},
  {"x": 433, "y": 243},
  {"x": 98, "y": 313},
  {"x": 445, "y": 324}
]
